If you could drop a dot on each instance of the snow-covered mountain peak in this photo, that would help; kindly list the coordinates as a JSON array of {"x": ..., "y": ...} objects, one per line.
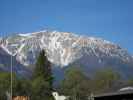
[
  {"x": 62, "y": 48},
  {"x": 31, "y": 34}
]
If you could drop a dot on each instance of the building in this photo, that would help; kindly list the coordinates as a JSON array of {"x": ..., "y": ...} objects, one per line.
[
  {"x": 122, "y": 94},
  {"x": 21, "y": 98}
]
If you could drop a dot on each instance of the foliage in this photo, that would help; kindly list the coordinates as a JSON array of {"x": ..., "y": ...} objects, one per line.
[
  {"x": 42, "y": 79},
  {"x": 38, "y": 88},
  {"x": 21, "y": 87},
  {"x": 104, "y": 80},
  {"x": 4, "y": 84},
  {"x": 130, "y": 82},
  {"x": 75, "y": 84}
]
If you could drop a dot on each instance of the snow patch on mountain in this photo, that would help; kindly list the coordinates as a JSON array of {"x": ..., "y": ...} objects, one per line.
[{"x": 62, "y": 48}]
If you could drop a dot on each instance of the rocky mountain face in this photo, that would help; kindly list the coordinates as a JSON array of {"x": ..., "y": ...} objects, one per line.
[
  {"x": 64, "y": 49},
  {"x": 7, "y": 60}
]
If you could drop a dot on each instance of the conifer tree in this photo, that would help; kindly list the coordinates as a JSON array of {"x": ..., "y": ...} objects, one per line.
[{"x": 42, "y": 79}]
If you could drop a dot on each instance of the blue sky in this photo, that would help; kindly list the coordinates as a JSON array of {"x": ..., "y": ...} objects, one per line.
[{"x": 108, "y": 19}]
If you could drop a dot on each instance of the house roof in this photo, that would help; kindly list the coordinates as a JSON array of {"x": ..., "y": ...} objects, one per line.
[{"x": 115, "y": 93}]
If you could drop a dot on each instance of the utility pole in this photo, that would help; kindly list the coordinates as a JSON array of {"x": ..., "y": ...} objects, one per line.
[
  {"x": 11, "y": 89},
  {"x": 11, "y": 78}
]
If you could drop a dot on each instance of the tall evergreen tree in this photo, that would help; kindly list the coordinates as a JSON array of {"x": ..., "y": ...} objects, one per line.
[{"x": 42, "y": 79}]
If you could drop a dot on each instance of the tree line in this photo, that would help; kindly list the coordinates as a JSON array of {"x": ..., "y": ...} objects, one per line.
[
  {"x": 75, "y": 84},
  {"x": 38, "y": 87}
]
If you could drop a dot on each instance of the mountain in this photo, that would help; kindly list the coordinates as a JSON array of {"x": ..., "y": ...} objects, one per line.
[
  {"x": 64, "y": 49},
  {"x": 5, "y": 64}
]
